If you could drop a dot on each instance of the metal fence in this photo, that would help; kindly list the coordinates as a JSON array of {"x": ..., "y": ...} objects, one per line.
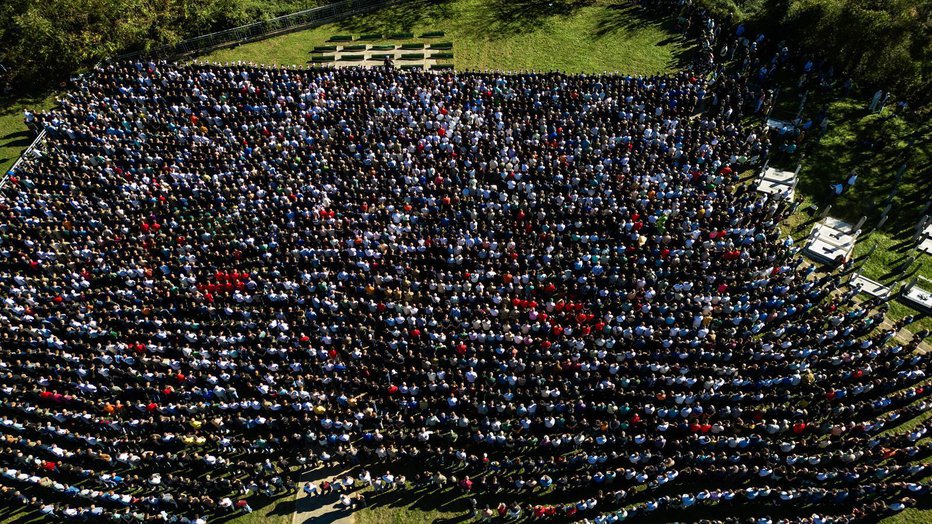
[
  {"x": 28, "y": 152},
  {"x": 263, "y": 28}
]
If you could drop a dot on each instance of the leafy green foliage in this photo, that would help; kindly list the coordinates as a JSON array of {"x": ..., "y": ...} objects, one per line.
[
  {"x": 879, "y": 43},
  {"x": 46, "y": 40},
  {"x": 893, "y": 43}
]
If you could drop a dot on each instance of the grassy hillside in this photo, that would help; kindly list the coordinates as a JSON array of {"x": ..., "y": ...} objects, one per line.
[{"x": 581, "y": 36}]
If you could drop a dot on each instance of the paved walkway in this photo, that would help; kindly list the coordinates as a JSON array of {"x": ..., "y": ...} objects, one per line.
[{"x": 321, "y": 509}]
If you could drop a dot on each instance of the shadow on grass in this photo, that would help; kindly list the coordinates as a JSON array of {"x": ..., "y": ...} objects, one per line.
[
  {"x": 327, "y": 518},
  {"x": 495, "y": 19},
  {"x": 626, "y": 18},
  {"x": 400, "y": 17},
  {"x": 19, "y": 139},
  {"x": 504, "y": 18},
  {"x": 621, "y": 18},
  {"x": 21, "y": 516},
  {"x": 284, "y": 505},
  {"x": 877, "y": 146}
]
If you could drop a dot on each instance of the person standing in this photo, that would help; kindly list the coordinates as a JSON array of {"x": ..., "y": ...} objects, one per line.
[{"x": 875, "y": 101}]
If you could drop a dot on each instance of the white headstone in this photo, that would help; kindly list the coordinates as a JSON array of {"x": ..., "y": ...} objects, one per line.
[{"x": 871, "y": 287}]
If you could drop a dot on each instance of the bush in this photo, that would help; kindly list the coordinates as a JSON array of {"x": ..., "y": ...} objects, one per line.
[
  {"x": 341, "y": 38},
  {"x": 442, "y": 45},
  {"x": 354, "y": 47},
  {"x": 324, "y": 48},
  {"x": 878, "y": 44},
  {"x": 442, "y": 55},
  {"x": 433, "y": 34},
  {"x": 352, "y": 58},
  {"x": 412, "y": 56},
  {"x": 412, "y": 46}
]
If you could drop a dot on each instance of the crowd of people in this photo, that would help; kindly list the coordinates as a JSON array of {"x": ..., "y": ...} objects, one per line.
[{"x": 551, "y": 293}]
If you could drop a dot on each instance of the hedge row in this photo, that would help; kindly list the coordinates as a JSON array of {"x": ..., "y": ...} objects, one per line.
[
  {"x": 412, "y": 46},
  {"x": 433, "y": 34},
  {"x": 341, "y": 38},
  {"x": 412, "y": 56},
  {"x": 398, "y": 36},
  {"x": 354, "y": 47},
  {"x": 352, "y": 58},
  {"x": 324, "y": 48},
  {"x": 441, "y": 55},
  {"x": 442, "y": 45},
  {"x": 323, "y": 58},
  {"x": 383, "y": 47}
]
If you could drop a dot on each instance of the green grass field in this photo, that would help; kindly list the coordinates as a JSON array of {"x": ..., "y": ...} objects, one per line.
[
  {"x": 580, "y": 36},
  {"x": 14, "y": 137}
]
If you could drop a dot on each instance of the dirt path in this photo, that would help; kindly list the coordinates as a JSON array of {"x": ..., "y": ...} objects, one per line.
[{"x": 322, "y": 509}]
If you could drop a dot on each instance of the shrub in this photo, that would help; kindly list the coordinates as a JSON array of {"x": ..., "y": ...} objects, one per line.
[
  {"x": 412, "y": 46},
  {"x": 324, "y": 48},
  {"x": 352, "y": 58},
  {"x": 341, "y": 38},
  {"x": 412, "y": 56},
  {"x": 354, "y": 47},
  {"x": 442, "y": 55},
  {"x": 383, "y": 47},
  {"x": 442, "y": 45}
]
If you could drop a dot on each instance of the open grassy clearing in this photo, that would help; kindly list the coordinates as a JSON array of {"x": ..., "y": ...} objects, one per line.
[{"x": 572, "y": 36}]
